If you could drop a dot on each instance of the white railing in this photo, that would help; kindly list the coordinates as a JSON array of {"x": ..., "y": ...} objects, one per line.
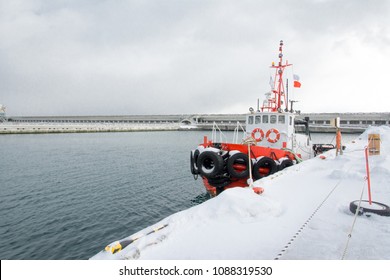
[
  {"x": 214, "y": 134},
  {"x": 236, "y": 131}
]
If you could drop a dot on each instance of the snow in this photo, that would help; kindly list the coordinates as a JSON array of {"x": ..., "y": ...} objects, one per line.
[
  {"x": 302, "y": 214},
  {"x": 16, "y": 127}
]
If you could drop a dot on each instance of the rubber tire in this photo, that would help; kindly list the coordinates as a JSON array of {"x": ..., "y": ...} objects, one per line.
[
  {"x": 382, "y": 212},
  {"x": 207, "y": 159},
  {"x": 285, "y": 163},
  {"x": 264, "y": 162},
  {"x": 230, "y": 165},
  {"x": 219, "y": 182},
  {"x": 218, "y": 190},
  {"x": 193, "y": 162}
]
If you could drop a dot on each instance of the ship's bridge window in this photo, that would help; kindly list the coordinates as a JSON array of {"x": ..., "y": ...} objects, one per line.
[
  {"x": 272, "y": 119},
  {"x": 290, "y": 120},
  {"x": 257, "y": 119},
  {"x": 265, "y": 119},
  {"x": 250, "y": 120},
  {"x": 282, "y": 119}
]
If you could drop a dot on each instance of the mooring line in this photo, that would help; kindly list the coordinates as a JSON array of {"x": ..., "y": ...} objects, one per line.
[{"x": 353, "y": 225}]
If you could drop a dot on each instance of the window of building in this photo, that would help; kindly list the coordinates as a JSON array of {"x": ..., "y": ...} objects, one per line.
[{"x": 354, "y": 122}]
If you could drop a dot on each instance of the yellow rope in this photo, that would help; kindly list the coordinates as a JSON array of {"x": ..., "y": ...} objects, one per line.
[{"x": 250, "y": 141}]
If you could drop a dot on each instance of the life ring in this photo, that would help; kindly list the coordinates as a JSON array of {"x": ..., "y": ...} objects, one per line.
[
  {"x": 210, "y": 164},
  {"x": 276, "y": 138},
  {"x": 258, "y": 139}
]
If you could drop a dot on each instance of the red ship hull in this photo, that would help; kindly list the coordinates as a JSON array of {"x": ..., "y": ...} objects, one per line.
[
  {"x": 269, "y": 145},
  {"x": 226, "y": 165}
]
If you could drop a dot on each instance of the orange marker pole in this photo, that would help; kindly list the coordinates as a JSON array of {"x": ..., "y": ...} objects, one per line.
[
  {"x": 338, "y": 142},
  {"x": 368, "y": 176}
]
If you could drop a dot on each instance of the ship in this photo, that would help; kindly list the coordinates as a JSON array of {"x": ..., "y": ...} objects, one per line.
[{"x": 274, "y": 138}]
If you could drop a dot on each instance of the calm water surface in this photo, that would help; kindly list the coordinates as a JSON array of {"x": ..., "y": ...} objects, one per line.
[{"x": 66, "y": 196}]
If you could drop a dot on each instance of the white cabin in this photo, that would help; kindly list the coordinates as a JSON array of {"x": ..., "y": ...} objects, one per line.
[{"x": 277, "y": 130}]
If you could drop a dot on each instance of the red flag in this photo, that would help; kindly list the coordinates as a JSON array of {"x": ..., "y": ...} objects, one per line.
[{"x": 297, "y": 84}]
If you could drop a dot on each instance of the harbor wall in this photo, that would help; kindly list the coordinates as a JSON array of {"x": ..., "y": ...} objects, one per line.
[
  {"x": 34, "y": 128},
  {"x": 350, "y": 122}
]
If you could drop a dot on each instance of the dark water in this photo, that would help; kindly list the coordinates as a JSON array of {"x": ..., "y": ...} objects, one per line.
[{"x": 66, "y": 196}]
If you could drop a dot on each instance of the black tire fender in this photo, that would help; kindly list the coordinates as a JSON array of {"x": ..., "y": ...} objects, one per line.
[
  {"x": 240, "y": 158},
  {"x": 285, "y": 163},
  {"x": 193, "y": 162},
  {"x": 219, "y": 182},
  {"x": 375, "y": 208},
  {"x": 210, "y": 164},
  {"x": 264, "y": 162}
]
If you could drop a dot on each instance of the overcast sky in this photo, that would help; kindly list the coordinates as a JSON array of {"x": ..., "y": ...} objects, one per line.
[{"x": 114, "y": 57}]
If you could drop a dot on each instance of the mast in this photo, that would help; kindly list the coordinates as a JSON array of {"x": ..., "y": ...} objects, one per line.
[{"x": 277, "y": 97}]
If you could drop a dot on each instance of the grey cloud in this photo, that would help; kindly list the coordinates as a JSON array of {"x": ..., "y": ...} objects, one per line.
[{"x": 138, "y": 57}]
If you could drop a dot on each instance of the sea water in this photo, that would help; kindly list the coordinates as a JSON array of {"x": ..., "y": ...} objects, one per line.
[{"x": 66, "y": 196}]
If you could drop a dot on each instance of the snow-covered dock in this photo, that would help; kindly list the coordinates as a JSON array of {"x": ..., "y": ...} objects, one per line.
[
  {"x": 28, "y": 128},
  {"x": 302, "y": 214}
]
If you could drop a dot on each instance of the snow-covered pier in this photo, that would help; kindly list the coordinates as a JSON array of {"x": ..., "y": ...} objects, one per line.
[
  {"x": 302, "y": 214},
  {"x": 29, "y": 128}
]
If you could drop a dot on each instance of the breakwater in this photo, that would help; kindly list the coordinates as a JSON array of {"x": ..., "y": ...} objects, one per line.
[
  {"x": 321, "y": 122},
  {"x": 31, "y": 128}
]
